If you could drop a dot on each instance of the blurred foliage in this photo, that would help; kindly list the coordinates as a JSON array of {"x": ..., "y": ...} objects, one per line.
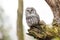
[
  {"x": 5, "y": 33},
  {"x": 4, "y": 30}
]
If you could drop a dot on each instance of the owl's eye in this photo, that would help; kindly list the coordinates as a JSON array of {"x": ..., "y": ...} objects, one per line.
[
  {"x": 28, "y": 10},
  {"x": 32, "y": 10}
]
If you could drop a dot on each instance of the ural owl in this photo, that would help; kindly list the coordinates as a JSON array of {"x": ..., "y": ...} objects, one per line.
[{"x": 32, "y": 18}]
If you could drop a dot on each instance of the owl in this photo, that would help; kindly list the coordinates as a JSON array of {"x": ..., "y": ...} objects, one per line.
[{"x": 32, "y": 18}]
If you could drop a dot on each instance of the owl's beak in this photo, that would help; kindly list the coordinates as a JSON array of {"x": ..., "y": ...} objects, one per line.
[{"x": 29, "y": 12}]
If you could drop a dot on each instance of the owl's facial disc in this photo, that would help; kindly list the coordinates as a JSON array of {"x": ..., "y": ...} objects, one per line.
[{"x": 29, "y": 10}]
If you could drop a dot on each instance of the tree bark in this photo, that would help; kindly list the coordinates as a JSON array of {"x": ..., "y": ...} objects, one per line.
[
  {"x": 19, "y": 21},
  {"x": 55, "y": 6}
]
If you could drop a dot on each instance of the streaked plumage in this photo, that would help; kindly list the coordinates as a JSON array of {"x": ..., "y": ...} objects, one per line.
[{"x": 32, "y": 18}]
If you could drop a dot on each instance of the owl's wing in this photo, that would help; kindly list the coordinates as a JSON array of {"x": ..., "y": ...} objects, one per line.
[{"x": 38, "y": 18}]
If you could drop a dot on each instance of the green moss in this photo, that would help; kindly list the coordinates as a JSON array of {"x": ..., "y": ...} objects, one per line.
[{"x": 53, "y": 33}]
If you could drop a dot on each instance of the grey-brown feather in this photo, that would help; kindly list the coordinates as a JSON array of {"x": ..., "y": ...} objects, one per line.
[{"x": 32, "y": 18}]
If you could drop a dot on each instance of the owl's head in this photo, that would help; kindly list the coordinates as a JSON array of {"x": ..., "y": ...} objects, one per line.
[{"x": 30, "y": 10}]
